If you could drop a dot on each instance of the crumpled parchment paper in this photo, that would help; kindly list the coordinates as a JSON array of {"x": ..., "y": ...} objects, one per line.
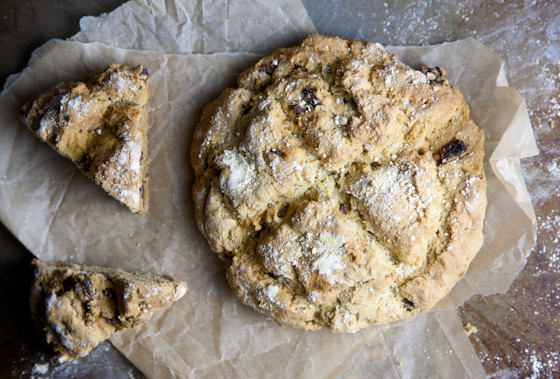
[
  {"x": 57, "y": 213},
  {"x": 200, "y": 26}
]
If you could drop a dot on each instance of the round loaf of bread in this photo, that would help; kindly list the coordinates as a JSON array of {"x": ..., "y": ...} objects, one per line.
[{"x": 341, "y": 187}]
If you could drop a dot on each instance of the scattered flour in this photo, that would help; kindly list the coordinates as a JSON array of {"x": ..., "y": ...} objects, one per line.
[
  {"x": 242, "y": 174},
  {"x": 329, "y": 250},
  {"x": 271, "y": 292}
]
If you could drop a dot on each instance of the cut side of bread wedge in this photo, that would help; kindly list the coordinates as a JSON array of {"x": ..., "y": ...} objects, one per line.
[
  {"x": 102, "y": 126},
  {"x": 77, "y": 306}
]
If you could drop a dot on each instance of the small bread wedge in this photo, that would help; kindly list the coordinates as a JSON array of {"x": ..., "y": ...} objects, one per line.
[
  {"x": 102, "y": 126},
  {"x": 77, "y": 306}
]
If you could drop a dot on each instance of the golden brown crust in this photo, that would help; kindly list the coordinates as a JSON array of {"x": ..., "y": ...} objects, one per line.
[
  {"x": 77, "y": 306},
  {"x": 102, "y": 127},
  {"x": 341, "y": 187}
]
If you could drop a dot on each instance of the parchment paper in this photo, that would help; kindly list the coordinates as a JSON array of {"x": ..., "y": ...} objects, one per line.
[
  {"x": 200, "y": 26},
  {"x": 57, "y": 213}
]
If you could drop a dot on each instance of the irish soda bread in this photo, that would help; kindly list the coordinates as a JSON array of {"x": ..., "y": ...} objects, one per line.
[
  {"x": 341, "y": 187},
  {"x": 77, "y": 306},
  {"x": 101, "y": 126}
]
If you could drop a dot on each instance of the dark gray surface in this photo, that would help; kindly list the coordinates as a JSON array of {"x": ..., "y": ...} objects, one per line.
[{"x": 27, "y": 24}]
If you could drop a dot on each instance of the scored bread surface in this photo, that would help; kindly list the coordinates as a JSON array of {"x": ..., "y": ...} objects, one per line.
[{"x": 341, "y": 187}]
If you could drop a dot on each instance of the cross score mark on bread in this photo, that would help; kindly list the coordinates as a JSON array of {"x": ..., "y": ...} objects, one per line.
[{"x": 341, "y": 187}]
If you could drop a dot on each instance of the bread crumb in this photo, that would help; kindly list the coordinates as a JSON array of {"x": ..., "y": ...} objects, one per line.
[
  {"x": 401, "y": 364},
  {"x": 40, "y": 368},
  {"x": 470, "y": 329}
]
